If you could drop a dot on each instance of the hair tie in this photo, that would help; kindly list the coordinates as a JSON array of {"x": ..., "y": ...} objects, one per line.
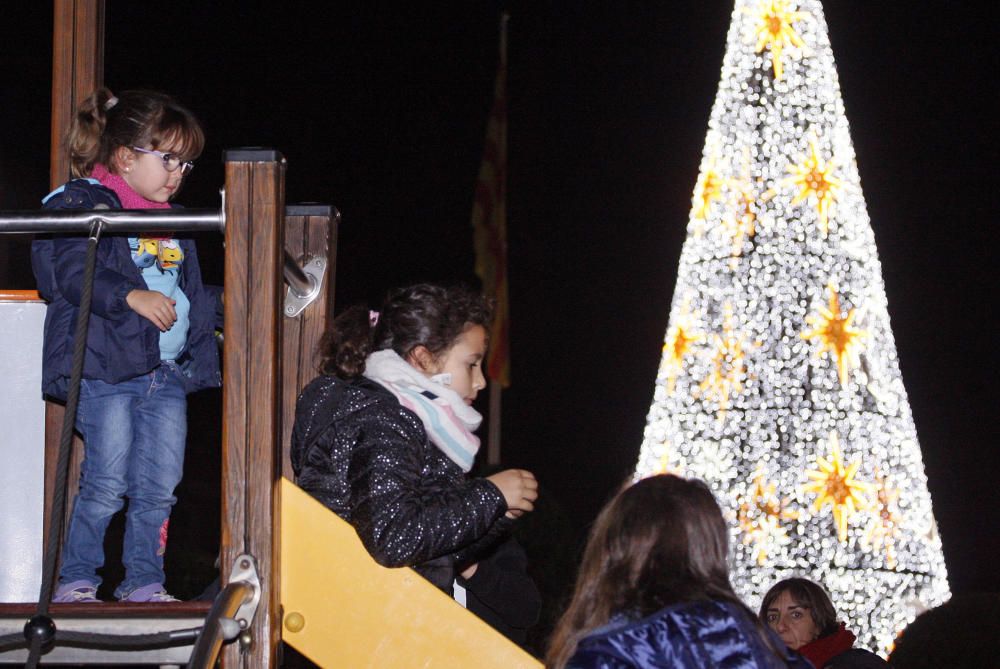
[
  {"x": 112, "y": 101},
  {"x": 373, "y": 318}
]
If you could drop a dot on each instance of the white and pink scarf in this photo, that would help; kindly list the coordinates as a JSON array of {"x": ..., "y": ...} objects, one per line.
[{"x": 448, "y": 420}]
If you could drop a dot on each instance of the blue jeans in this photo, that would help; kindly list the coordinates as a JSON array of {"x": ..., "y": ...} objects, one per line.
[{"x": 134, "y": 435}]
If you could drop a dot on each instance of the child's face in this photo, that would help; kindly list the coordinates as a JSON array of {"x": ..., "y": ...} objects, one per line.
[
  {"x": 148, "y": 176},
  {"x": 464, "y": 361}
]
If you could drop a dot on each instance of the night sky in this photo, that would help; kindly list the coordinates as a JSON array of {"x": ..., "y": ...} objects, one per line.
[{"x": 381, "y": 112}]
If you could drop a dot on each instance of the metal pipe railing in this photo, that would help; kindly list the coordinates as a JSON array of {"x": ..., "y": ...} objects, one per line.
[
  {"x": 114, "y": 220},
  {"x": 68, "y": 221},
  {"x": 219, "y": 624},
  {"x": 302, "y": 284}
]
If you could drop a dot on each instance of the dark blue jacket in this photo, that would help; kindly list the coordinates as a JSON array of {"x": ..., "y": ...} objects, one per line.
[
  {"x": 692, "y": 635},
  {"x": 121, "y": 344}
]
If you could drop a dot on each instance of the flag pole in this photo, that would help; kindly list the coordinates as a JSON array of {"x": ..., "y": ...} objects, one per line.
[
  {"x": 489, "y": 222},
  {"x": 493, "y": 448}
]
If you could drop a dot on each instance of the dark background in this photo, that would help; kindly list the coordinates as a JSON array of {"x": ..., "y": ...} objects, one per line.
[{"x": 380, "y": 109}]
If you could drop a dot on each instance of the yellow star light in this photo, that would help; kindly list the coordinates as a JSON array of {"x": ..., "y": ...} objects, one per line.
[
  {"x": 884, "y": 527},
  {"x": 707, "y": 190},
  {"x": 836, "y": 334},
  {"x": 663, "y": 464},
  {"x": 760, "y": 514},
  {"x": 728, "y": 364},
  {"x": 775, "y": 32},
  {"x": 835, "y": 484},
  {"x": 814, "y": 178},
  {"x": 740, "y": 220},
  {"x": 680, "y": 338}
]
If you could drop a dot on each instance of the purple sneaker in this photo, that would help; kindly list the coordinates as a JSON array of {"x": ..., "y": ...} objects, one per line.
[
  {"x": 76, "y": 592},
  {"x": 154, "y": 593}
]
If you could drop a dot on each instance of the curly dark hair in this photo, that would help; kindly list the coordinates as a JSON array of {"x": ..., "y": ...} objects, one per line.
[{"x": 423, "y": 314}]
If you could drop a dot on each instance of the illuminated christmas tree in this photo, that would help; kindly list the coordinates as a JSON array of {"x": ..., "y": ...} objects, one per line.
[{"x": 779, "y": 383}]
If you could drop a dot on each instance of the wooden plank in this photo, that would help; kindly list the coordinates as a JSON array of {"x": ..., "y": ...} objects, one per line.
[
  {"x": 252, "y": 385},
  {"x": 77, "y": 69},
  {"x": 291, "y": 331},
  {"x": 19, "y": 296},
  {"x": 310, "y": 234}
]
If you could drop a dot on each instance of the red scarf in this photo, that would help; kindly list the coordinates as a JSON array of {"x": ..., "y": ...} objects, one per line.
[
  {"x": 824, "y": 649},
  {"x": 126, "y": 194},
  {"x": 128, "y": 197}
]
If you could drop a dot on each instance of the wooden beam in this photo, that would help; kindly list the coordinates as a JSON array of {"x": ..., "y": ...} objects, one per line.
[
  {"x": 251, "y": 387},
  {"x": 310, "y": 232},
  {"x": 77, "y": 69}
]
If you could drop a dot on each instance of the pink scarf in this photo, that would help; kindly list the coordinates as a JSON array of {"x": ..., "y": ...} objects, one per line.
[{"x": 128, "y": 197}]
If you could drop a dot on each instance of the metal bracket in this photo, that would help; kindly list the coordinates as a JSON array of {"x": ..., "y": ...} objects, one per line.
[
  {"x": 245, "y": 570},
  {"x": 298, "y": 298}
]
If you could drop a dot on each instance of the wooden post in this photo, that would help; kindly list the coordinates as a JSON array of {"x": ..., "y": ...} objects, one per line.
[
  {"x": 251, "y": 389},
  {"x": 77, "y": 69},
  {"x": 310, "y": 232}
]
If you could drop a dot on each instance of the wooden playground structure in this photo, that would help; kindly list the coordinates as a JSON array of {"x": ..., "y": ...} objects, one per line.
[{"x": 306, "y": 580}]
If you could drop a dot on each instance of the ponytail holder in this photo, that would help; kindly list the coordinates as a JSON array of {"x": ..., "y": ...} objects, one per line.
[
  {"x": 112, "y": 101},
  {"x": 372, "y": 318}
]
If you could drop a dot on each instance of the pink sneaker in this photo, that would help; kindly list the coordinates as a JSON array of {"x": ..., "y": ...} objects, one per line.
[
  {"x": 154, "y": 593},
  {"x": 76, "y": 592}
]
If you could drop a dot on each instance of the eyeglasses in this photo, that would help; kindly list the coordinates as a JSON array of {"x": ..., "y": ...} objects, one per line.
[{"x": 170, "y": 161}]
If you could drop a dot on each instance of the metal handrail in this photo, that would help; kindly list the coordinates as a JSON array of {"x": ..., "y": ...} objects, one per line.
[
  {"x": 114, "y": 220},
  {"x": 140, "y": 220},
  {"x": 219, "y": 624}
]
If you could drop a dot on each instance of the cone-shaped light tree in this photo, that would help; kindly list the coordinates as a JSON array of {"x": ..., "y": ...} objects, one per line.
[{"x": 779, "y": 383}]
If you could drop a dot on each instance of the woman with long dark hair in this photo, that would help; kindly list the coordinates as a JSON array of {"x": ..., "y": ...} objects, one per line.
[{"x": 653, "y": 589}]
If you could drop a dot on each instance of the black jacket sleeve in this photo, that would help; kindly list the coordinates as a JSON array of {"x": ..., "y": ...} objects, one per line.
[{"x": 404, "y": 516}]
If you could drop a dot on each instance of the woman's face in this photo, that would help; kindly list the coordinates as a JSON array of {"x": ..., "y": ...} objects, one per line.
[{"x": 792, "y": 621}]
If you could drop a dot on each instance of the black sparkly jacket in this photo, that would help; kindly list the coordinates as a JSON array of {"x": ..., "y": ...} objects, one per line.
[{"x": 360, "y": 453}]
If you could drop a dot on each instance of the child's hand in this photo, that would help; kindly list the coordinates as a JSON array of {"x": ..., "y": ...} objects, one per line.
[
  {"x": 153, "y": 306},
  {"x": 519, "y": 489}
]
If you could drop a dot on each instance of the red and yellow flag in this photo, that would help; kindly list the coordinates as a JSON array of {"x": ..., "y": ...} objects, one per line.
[{"x": 489, "y": 221}]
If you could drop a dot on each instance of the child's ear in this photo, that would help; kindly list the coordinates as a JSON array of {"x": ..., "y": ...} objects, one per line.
[
  {"x": 422, "y": 359},
  {"x": 123, "y": 159}
]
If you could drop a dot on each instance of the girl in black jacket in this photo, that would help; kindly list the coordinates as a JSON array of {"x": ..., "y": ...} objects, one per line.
[{"x": 385, "y": 437}]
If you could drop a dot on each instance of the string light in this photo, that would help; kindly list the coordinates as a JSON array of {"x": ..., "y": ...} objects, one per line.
[{"x": 749, "y": 393}]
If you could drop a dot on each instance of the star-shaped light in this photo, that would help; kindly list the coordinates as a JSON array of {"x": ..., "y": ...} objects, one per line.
[
  {"x": 707, "y": 190},
  {"x": 836, "y": 334},
  {"x": 680, "y": 337},
  {"x": 728, "y": 360},
  {"x": 885, "y": 524},
  {"x": 814, "y": 177},
  {"x": 834, "y": 484},
  {"x": 664, "y": 465},
  {"x": 740, "y": 219},
  {"x": 760, "y": 514},
  {"x": 775, "y": 32}
]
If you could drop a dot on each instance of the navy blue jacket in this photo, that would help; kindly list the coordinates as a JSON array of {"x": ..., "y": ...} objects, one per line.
[
  {"x": 692, "y": 635},
  {"x": 121, "y": 344}
]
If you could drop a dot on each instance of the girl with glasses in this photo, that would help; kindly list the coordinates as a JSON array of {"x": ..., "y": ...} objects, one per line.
[{"x": 150, "y": 339}]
